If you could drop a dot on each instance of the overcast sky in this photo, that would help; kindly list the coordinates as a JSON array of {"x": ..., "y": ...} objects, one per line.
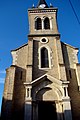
[{"x": 14, "y": 27}]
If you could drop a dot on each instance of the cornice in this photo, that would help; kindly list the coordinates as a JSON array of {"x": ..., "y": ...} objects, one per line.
[
  {"x": 42, "y": 35},
  {"x": 37, "y": 10}
]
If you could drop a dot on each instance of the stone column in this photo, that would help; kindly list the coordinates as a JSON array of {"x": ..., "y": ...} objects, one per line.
[
  {"x": 66, "y": 102},
  {"x": 42, "y": 23},
  {"x": 50, "y": 23},
  {"x": 28, "y": 110},
  {"x": 59, "y": 110},
  {"x": 28, "y": 102}
]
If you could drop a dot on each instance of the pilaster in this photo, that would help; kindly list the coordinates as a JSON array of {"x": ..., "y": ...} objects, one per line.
[
  {"x": 66, "y": 102},
  {"x": 30, "y": 61},
  {"x": 28, "y": 102},
  {"x": 67, "y": 109}
]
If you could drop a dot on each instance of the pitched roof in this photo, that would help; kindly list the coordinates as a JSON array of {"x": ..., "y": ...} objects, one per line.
[{"x": 20, "y": 47}]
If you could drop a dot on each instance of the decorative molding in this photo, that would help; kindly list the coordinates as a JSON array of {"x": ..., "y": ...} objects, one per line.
[
  {"x": 43, "y": 35},
  {"x": 37, "y": 10},
  {"x": 49, "y": 56}
]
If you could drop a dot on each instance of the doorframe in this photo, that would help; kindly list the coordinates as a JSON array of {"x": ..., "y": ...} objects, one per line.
[{"x": 35, "y": 109}]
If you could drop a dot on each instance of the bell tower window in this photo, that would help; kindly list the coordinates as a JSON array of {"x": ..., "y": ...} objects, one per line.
[
  {"x": 44, "y": 58},
  {"x": 46, "y": 23},
  {"x": 38, "y": 24}
]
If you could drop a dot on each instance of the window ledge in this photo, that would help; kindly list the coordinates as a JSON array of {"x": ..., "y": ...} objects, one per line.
[{"x": 44, "y": 68}]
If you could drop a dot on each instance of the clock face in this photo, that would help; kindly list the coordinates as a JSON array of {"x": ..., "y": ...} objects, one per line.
[{"x": 42, "y": 6}]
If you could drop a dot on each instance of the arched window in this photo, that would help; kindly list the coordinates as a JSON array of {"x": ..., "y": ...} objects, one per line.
[
  {"x": 38, "y": 24},
  {"x": 44, "y": 58},
  {"x": 46, "y": 23}
]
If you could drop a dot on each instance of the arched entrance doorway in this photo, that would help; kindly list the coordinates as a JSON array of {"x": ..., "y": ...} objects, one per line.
[
  {"x": 47, "y": 102},
  {"x": 47, "y": 110},
  {"x": 44, "y": 106}
]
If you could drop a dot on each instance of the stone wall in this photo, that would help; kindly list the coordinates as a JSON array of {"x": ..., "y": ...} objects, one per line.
[
  {"x": 20, "y": 56},
  {"x": 34, "y": 14},
  {"x": 19, "y": 94},
  {"x": 14, "y": 94},
  {"x": 56, "y": 58},
  {"x": 7, "y": 100},
  {"x": 70, "y": 59}
]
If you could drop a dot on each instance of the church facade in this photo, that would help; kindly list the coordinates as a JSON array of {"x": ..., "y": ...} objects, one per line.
[{"x": 43, "y": 82}]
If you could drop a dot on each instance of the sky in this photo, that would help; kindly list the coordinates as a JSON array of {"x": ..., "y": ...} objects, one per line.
[{"x": 14, "y": 28}]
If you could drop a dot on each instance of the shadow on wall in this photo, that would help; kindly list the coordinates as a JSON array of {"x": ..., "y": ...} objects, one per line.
[
  {"x": 45, "y": 110},
  {"x": 13, "y": 107},
  {"x": 74, "y": 95},
  {"x": 36, "y": 71},
  {"x": 6, "y": 110},
  {"x": 73, "y": 85},
  {"x": 9, "y": 113}
]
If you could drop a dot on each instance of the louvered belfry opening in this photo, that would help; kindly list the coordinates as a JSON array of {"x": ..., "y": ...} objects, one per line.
[
  {"x": 46, "y": 23},
  {"x": 38, "y": 24}
]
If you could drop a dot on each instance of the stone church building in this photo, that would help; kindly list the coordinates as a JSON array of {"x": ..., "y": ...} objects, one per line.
[{"x": 43, "y": 82}]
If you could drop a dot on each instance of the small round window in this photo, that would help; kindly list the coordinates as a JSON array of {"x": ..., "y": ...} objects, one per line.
[{"x": 44, "y": 40}]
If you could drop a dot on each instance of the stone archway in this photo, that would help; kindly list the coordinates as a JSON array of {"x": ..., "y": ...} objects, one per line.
[
  {"x": 48, "y": 94},
  {"x": 44, "y": 106}
]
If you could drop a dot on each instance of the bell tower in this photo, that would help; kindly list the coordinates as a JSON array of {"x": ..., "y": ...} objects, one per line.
[
  {"x": 43, "y": 81},
  {"x": 46, "y": 82},
  {"x": 43, "y": 19}
]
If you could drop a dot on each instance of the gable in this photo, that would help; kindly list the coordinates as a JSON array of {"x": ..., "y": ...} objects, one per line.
[{"x": 19, "y": 56}]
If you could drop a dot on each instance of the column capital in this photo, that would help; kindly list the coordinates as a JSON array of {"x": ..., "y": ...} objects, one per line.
[
  {"x": 27, "y": 85},
  {"x": 66, "y": 99}
]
